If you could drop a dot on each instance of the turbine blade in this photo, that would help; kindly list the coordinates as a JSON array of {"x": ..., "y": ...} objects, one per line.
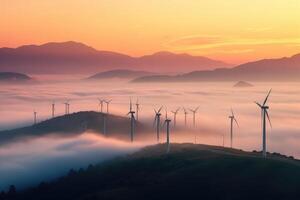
[
  {"x": 236, "y": 122},
  {"x": 267, "y": 97},
  {"x": 197, "y": 109},
  {"x": 258, "y": 104},
  {"x": 130, "y": 107},
  {"x": 160, "y": 109},
  {"x": 269, "y": 119}
]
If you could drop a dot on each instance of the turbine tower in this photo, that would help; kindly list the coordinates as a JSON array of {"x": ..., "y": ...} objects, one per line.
[
  {"x": 185, "y": 116},
  {"x": 264, "y": 114},
  {"x": 107, "y": 105},
  {"x": 175, "y": 115},
  {"x": 34, "y": 117},
  {"x": 67, "y": 107},
  {"x": 137, "y": 104},
  {"x": 194, "y": 115},
  {"x": 132, "y": 122},
  {"x": 157, "y": 121},
  {"x": 101, "y": 101},
  {"x": 167, "y": 123},
  {"x": 104, "y": 115},
  {"x": 232, "y": 119},
  {"x": 53, "y": 109}
]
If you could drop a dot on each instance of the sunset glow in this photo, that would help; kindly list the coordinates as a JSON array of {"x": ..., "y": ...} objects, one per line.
[{"x": 234, "y": 31}]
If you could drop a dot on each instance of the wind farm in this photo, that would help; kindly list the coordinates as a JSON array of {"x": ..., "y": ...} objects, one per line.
[{"x": 152, "y": 100}]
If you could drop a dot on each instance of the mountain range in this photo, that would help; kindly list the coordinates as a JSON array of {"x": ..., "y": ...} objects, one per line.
[
  {"x": 76, "y": 58},
  {"x": 281, "y": 69}
]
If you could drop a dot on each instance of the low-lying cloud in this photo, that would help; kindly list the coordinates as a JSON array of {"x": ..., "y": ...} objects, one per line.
[{"x": 28, "y": 163}]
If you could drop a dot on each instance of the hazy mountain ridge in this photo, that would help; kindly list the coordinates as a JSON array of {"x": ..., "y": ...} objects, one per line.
[
  {"x": 73, "y": 57},
  {"x": 75, "y": 123},
  {"x": 281, "y": 69},
  {"x": 14, "y": 77},
  {"x": 120, "y": 73}
]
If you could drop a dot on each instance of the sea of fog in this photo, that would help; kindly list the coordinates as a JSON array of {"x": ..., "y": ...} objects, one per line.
[{"x": 212, "y": 123}]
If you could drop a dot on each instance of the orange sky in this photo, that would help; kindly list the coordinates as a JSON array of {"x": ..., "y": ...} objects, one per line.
[{"x": 234, "y": 30}]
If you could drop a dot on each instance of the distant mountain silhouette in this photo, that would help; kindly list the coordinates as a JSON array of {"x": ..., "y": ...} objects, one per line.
[
  {"x": 75, "y": 123},
  {"x": 13, "y": 77},
  {"x": 282, "y": 69},
  {"x": 120, "y": 73},
  {"x": 242, "y": 84},
  {"x": 73, "y": 57}
]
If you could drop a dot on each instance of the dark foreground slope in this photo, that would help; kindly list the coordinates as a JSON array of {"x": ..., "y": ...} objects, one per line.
[
  {"x": 75, "y": 123},
  {"x": 188, "y": 172}
]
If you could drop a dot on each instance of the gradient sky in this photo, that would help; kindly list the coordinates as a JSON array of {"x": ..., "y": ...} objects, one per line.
[{"x": 235, "y": 31}]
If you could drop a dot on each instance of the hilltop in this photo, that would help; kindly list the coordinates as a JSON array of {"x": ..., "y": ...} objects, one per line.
[
  {"x": 188, "y": 172},
  {"x": 75, "y": 123}
]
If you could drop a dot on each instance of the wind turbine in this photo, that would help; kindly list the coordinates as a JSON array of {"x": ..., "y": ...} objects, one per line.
[
  {"x": 53, "y": 109},
  {"x": 175, "y": 114},
  {"x": 157, "y": 121},
  {"x": 264, "y": 114},
  {"x": 132, "y": 122},
  {"x": 137, "y": 109},
  {"x": 67, "y": 107},
  {"x": 167, "y": 123},
  {"x": 34, "y": 117},
  {"x": 185, "y": 116},
  {"x": 104, "y": 123},
  {"x": 101, "y": 101},
  {"x": 194, "y": 115},
  {"x": 232, "y": 119},
  {"x": 107, "y": 105}
]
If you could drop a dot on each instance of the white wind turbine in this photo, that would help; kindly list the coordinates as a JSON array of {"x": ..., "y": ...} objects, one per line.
[
  {"x": 167, "y": 123},
  {"x": 157, "y": 122},
  {"x": 137, "y": 104},
  {"x": 101, "y": 101},
  {"x": 175, "y": 115},
  {"x": 104, "y": 115},
  {"x": 53, "y": 109},
  {"x": 264, "y": 114},
  {"x": 232, "y": 119},
  {"x": 194, "y": 111},
  {"x": 107, "y": 105},
  {"x": 132, "y": 122},
  {"x": 185, "y": 116},
  {"x": 34, "y": 117},
  {"x": 67, "y": 107}
]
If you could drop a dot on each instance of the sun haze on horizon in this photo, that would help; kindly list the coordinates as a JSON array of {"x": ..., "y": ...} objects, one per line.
[{"x": 233, "y": 31}]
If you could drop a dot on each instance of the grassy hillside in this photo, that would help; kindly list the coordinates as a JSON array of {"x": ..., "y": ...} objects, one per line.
[{"x": 188, "y": 172}]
